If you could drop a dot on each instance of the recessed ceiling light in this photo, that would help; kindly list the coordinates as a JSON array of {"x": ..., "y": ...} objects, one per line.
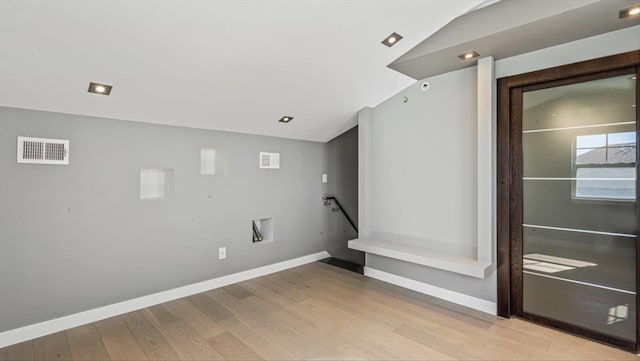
[
  {"x": 98, "y": 88},
  {"x": 285, "y": 119},
  {"x": 392, "y": 39},
  {"x": 469, "y": 55},
  {"x": 630, "y": 11}
]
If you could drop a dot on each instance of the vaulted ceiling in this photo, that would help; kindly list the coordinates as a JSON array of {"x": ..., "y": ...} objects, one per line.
[{"x": 227, "y": 65}]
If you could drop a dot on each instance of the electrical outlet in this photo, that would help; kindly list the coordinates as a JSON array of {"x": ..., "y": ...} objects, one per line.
[{"x": 222, "y": 252}]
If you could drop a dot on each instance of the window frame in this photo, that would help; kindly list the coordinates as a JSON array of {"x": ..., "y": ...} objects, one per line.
[{"x": 575, "y": 166}]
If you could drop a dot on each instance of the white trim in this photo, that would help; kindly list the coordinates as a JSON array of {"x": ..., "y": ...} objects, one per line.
[
  {"x": 580, "y": 231},
  {"x": 577, "y": 179},
  {"x": 580, "y": 282},
  {"x": 30, "y": 332},
  {"x": 576, "y": 127},
  {"x": 442, "y": 293}
]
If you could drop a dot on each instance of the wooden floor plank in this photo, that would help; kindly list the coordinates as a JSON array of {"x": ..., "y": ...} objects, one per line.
[
  {"x": 237, "y": 291},
  {"x": 283, "y": 334},
  {"x": 210, "y": 307},
  {"x": 231, "y": 348},
  {"x": 438, "y": 326},
  {"x": 20, "y": 352},
  {"x": 40, "y": 349},
  {"x": 52, "y": 347},
  {"x": 370, "y": 295},
  {"x": 152, "y": 342},
  {"x": 257, "y": 287},
  {"x": 315, "y": 311},
  {"x": 377, "y": 341},
  {"x": 86, "y": 343},
  {"x": 119, "y": 341},
  {"x": 184, "y": 339},
  {"x": 205, "y": 326},
  {"x": 262, "y": 345}
]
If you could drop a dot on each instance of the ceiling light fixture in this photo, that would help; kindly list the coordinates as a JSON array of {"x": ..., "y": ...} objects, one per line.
[
  {"x": 468, "y": 55},
  {"x": 630, "y": 11},
  {"x": 285, "y": 119},
  {"x": 98, "y": 88},
  {"x": 392, "y": 39}
]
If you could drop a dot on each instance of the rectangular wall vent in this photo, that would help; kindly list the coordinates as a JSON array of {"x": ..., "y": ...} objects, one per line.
[
  {"x": 43, "y": 151},
  {"x": 269, "y": 160}
]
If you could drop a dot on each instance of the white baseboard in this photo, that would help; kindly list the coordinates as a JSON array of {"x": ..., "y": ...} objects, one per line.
[
  {"x": 40, "y": 329},
  {"x": 442, "y": 293}
]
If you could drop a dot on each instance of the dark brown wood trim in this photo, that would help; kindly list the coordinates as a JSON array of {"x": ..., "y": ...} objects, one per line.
[
  {"x": 509, "y": 172},
  {"x": 623, "y": 60},
  {"x": 579, "y": 331},
  {"x": 638, "y": 210},
  {"x": 502, "y": 203},
  {"x": 580, "y": 78},
  {"x": 515, "y": 198}
]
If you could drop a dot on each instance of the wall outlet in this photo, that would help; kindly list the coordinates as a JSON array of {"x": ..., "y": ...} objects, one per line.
[
  {"x": 222, "y": 252},
  {"x": 324, "y": 178}
]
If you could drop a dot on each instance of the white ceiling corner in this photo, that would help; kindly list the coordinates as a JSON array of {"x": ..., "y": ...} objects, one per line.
[{"x": 225, "y": 65}]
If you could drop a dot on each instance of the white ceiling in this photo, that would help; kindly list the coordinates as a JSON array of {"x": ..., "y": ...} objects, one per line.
[
  {"x": 227, "y": 65},
  {"x": 511, "y": 28}
]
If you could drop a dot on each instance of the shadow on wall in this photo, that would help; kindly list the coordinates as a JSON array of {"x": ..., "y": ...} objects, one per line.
[{"x": 342, "y": 183}]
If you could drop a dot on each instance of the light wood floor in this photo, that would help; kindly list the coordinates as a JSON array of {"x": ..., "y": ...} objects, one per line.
[{"x": 316, "y": 311}]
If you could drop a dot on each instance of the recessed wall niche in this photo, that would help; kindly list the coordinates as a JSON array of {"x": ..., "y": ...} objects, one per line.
[
  {"x": 156, "y": 183},
  {"x": 213, "y": 161},
  {"x": 262, "y": 230}
]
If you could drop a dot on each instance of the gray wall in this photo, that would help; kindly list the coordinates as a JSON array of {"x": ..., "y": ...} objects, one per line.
[
  {"x": 423, "y": 179},
  {"x": 424, "y": 189},
  {"x": 77, "y": 237},
  {"x": 343, "y": 184}
]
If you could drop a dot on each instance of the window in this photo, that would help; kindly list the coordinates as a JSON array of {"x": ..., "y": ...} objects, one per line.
[{"x": 604, "y": 166}]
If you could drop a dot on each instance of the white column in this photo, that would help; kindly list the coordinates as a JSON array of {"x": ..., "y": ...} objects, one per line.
[
  {"x": 486, "y": 158},
  {"x": 365, "y": 119}
]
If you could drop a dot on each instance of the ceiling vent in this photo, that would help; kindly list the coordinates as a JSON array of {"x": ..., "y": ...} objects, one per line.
[
  {"x": 270, "y": 160},
  {"x": 43, "y": 151}
]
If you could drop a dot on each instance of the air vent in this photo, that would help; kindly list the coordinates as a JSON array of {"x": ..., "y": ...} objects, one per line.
[
  {"x": 270, "y": 160},
  {"x": 43, "y": 151}
]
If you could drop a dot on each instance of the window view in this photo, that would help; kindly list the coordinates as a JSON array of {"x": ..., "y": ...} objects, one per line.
[{"x": 604, "y": 166}]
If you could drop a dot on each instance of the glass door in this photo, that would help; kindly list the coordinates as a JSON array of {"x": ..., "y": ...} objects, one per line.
[{"x": 579, "y": 150}]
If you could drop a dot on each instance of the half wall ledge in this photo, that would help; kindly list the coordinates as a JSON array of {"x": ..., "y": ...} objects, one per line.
[{"x": 423, "y": 256}]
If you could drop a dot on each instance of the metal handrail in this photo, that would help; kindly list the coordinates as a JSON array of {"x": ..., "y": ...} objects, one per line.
[{"x": 331, "y": 198}]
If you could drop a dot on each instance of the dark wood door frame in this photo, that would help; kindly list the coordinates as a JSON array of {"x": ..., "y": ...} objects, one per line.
[{"x": 509, "y": 174}]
